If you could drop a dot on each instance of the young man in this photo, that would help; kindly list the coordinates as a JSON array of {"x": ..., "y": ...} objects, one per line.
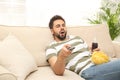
[{"x": 61, "y": 57}]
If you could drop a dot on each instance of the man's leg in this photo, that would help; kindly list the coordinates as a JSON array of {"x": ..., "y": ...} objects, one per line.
[{"x": 106, "y": 71}]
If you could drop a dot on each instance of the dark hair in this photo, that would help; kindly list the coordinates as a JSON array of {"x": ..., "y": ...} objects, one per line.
[{"x": 56, "y": 17}]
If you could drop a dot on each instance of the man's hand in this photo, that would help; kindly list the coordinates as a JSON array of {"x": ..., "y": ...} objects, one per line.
[
  {"x": 58, "y": 63},
  {"x": 65, "y": 52},
  {"x": 96, "y": 49}
]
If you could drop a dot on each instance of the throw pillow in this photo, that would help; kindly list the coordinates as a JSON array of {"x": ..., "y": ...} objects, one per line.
[
  {"x": 5, "y": 74},
  {"x": 15, "y": 58}
]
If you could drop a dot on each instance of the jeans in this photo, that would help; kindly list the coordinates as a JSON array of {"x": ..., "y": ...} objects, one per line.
[{"x": 106, "y": 71}]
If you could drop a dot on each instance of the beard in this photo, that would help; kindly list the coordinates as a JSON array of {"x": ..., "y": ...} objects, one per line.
[{"x": 61, "y": 35}]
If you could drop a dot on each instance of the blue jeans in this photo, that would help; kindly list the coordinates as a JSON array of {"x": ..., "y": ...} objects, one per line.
[{"x": 106, "y": 71}]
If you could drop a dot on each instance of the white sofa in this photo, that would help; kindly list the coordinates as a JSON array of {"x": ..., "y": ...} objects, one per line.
[{"x": 22, "y": 50}]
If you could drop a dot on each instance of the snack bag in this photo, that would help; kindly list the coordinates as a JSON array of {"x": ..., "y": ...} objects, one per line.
[{"x": 99, "y": 57}]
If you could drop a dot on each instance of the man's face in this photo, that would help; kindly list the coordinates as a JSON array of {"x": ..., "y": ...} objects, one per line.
[{"x": 59, "y": 30}]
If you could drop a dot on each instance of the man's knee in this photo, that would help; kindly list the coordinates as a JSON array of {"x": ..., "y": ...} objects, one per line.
[{"x": 87, "y": 75}]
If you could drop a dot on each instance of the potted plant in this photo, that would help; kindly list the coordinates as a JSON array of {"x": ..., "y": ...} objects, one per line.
[{"x": 109, "y": 14}]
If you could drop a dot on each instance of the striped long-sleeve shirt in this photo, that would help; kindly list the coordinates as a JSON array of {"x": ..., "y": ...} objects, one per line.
[{"x": 79, "y": 60}]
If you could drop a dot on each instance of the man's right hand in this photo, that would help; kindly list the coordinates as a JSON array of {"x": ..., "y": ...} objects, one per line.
[
  {"x": 58, "y": 63},
  {"x": 65, "y": 52}
]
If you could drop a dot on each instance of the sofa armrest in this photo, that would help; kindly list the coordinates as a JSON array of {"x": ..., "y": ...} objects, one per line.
[
  {"x": 6, "y": 75},
  {"x": 117, "y": 48}
]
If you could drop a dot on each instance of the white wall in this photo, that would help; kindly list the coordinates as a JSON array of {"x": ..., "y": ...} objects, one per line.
[
  {"x": 38, "y": 12},
  {"x": 117, "y": 38},
  {"x": 75, "y": 12},
  {"x": 12, "y": 12}
]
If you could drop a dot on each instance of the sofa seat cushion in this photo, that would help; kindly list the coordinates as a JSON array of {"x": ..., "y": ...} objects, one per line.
[
  {"x": 46, "y": 73},
  {"x": 6, "y": 75},
  {"x": 15, "y": 58}
]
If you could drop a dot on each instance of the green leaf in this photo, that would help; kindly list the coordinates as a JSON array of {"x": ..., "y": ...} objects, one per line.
[{"x": 112, "y": 19}]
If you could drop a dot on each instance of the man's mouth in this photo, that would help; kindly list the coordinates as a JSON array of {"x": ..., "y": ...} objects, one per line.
[{"x": 62, "y": 32}]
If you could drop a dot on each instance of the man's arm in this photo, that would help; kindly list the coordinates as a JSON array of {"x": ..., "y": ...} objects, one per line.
[{"x": 57, "y": 63}]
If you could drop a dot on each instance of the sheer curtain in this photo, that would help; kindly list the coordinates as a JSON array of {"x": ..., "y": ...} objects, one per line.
[{"x": 12, "y": 12}]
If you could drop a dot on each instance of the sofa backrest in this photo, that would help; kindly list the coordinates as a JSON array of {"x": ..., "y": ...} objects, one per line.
[
  {"x": 35, "y": 39},
  {"x": 100, "y": 32}
]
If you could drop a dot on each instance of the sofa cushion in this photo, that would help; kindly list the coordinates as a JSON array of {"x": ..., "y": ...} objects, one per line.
[
  {"x": 34, "y": 39},
  {"x": 15, "y": 58},
  {"x": 100, "y": 32},
  {"x": 6, "y": 75},
  {"x": 46, "y": 73}
]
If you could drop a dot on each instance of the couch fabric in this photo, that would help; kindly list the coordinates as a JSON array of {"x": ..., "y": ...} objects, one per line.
[
  {"x": 6, "y": 75},
  {"x": 35, "y": 39},
  {"x": 15, "y": 58}
]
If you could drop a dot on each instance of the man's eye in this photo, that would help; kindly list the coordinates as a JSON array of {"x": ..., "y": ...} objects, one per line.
[
  {"x": 63, "y": 25},
  {"x": 57, "y": 26}
]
